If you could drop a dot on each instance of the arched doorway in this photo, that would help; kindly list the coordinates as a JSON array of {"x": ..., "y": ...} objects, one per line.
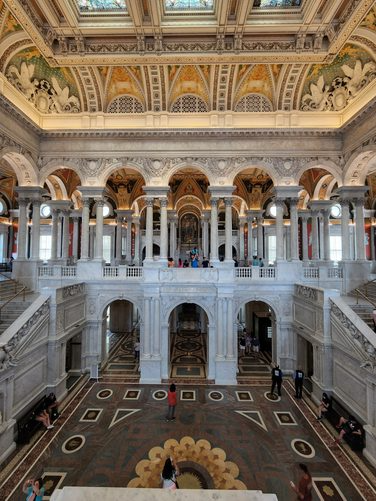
[
  {"x": 256, "y": 336},
  {"x": 120, "y": 333},
  {"x": 188, "y": 346}
]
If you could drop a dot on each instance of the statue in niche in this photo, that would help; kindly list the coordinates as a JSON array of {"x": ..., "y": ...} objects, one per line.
[{"x": 189, "y": 229}]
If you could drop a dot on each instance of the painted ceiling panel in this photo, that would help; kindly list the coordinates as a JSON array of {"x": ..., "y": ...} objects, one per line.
[{"x": 101, "y": 5}]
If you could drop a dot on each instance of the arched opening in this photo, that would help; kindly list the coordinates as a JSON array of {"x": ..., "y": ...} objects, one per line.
[
  {"x": 222, "y": 252},
  {"x": 256, "y": 337},
  {"x": 188, "y": 342},
  {"x": 121, "y": 339}
]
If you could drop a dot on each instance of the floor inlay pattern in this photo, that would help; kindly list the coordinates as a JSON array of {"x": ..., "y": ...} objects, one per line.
[{"x": 222, "y": 442}]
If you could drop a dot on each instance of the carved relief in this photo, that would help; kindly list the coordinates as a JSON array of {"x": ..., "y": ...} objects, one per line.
[
  {"x": 306, "y": 292},
  {"x": 73, "y": 290}
]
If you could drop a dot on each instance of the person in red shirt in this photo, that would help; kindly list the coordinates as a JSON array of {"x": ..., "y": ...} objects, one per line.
[
  {"x": 304, "y": 488},
  {"x": 171, "y": 398}
]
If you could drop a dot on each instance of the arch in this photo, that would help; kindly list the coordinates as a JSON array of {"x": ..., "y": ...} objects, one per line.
[
  {"x": 319, "y": 185},
  {"x": 188, "y": 196},
  {"x": 331, "y": 167},
  {"x": 184, "y": 164},
  {"x": 358, "y": 166},
  {"x": 117, "y": 297},
  {"x": 178, "y": 301},
  {"x": 255, "y": 163},
  {"x": 122, "y": 164},
  {"x": 266, "y": 300},
  {"x": 61, "y": 186},
  {"x": 53, "y": 165},
  {"x": 23, "y": 166}
]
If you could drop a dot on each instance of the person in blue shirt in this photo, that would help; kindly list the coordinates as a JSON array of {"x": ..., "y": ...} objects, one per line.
[
  {"x": 255, "y": 261},
  {"x": 33, "y": 489}
]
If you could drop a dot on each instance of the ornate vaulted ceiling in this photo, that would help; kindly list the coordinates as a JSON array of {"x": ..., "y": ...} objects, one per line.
[{"x": 144, "y": 63}]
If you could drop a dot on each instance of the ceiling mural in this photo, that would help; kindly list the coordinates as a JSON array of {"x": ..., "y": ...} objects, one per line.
[{"x": 226, "y": 85}]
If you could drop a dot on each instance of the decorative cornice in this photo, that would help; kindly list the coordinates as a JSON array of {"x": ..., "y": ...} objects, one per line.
[
  {"x": 213, "y": 132},
  {"x": 18, "y": 115}
]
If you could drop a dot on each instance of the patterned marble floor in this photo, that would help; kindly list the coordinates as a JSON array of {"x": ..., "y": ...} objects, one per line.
[{"x": 115, "y": 434}]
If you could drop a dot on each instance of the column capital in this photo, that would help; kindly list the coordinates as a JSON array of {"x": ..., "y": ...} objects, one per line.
[
  {"x": 59, "y": 205},
  {"x": 100, "y": 203},
  {"x": 228, "y": 201},
  {"x": 304, "y": 214},
  {"x": 214, "y": 202},
  {"x": 163, "y": 202},
  {"x": 156, "y": 191},
  {"x": 149, "y": 202}
]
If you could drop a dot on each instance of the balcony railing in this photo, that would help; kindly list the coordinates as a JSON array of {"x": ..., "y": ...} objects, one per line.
[
  {"x": 122, "y": 272},
  {"x": 255, "y": 273},
  {"x": 57, "y": 271},
  {"x": 323, "y": 273}
]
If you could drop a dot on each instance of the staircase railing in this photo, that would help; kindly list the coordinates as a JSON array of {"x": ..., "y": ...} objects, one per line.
[
  {"x": 365, "y": 295},
  {"x": 22, "y": 291}
]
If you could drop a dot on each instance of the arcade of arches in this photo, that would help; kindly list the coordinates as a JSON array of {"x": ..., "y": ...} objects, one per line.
[{"x": 188, "y": 196}]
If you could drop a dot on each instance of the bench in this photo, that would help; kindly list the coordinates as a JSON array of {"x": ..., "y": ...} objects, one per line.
[
  {"x": 27, "y": 425},
  {"x": 337, "y": 410}
]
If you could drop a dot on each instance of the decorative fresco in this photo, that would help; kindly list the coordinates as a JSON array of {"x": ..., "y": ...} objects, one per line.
[
  {"x": 256, "y": 81},
  {"x": 188, "y": 80},
  {"x": 92, "y": 5},
  {"x": 122, "y": 82},
  {"x": 51, "y": 90},
  {"x": 331, "y": 87},
  {"x": 11, "y": 25},
  {"x": 370, "y": 20},
  {"x": 173, "y": 5}
]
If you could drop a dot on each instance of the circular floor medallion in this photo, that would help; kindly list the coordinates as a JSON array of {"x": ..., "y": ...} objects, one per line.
[
  {"x": 73, "y": 444},
  {"x": 160, "y": 395},
  {"x": 105, "y": 393},
  {"x": 188, "y": 346},
  {"x": 272, "y": 397},
  {"x": 303, "y": 448},
  {"x": 216, "y": 395}
]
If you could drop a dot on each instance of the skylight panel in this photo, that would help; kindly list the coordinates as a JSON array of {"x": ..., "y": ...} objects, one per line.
[
  {"x": 268, "y": 4},
  {"x": 101, "y": 5},
  {"x": 190, "y": 5}
]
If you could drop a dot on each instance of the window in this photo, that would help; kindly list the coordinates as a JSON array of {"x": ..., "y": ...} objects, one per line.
[
  {"x": 336, "y": 211},
  {"x": 100, "y": 5},
  {"x": 107, "y": 248},
  {"x": 2, "y": 246},
  {"x": 272, "y": 248},
  {"x": 2, "y": 207},
  {"x": 45, "y": 211},
  {"x": 106, "y": 210},
  {"x": 266, "y": 4},
  {"x": 335, "y": 248},
  {"x": 172, "y": 5},
  {"x": 273, "y": 210},
  {"x": 45, "y": 243}
]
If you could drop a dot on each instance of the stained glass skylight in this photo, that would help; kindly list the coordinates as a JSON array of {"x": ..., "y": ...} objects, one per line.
[
  {"x": 179, "y": 5},
  {"x": 267, "y": 4},
  {"x": 101, "y": 5}
]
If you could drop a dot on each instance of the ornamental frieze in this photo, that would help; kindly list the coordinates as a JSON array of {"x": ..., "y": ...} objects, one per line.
[
  {"x": 73, "y": 290},
  {"x": 306, "y": 292}
]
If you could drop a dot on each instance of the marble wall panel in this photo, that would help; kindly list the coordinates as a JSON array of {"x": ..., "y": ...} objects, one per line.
[
  {"x": 74, "y": 314},
  {"x": 349, "y": 386},
  {"x": 29, "y": 382},
  {"x": 304, "y": 314}
]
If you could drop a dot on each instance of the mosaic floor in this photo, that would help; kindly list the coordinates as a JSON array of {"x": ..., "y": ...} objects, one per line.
[{"x": 115, "y": 434}]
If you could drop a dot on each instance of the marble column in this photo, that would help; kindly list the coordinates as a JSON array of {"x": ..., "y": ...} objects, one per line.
[
  {"x": 172, "y": 220},
  {"x": 76, "y": 221},
  {"x": 279, "y": 229},
  {"x": 65, "y": 239},
  {"x": 250, "y": 238},
  {"x": 156, "y": 327},
  {"x": 54, "y": 233},
  {"x": 205, "y": 234},
  {"x": 321, "y": 236},
  {"x": 294, "y": 239},
  {"x": 345, "y": 232},
  {"x": 260, "y": 236},
  {"x": 35, "y": 232},
  {"x": 164, "y": 229},
  {"x": 372, "y": 243},
  {"x": 359, "y": 229},
  {"x": 315, "y": 235},
  {"x": 228, "y": 229},
  {"x": 147, "y": 327},
  {"x": 119, "y": 237},
  {"x": 220, "y": 305},
  {"x": 230, "y": 330},
  {"x": 85, "y": 229},
  {"x": 136, "y": 225},
  {"x": 149, "y": 229},
  {"x": 22, "y": 228},
  {"x": 241, "y": 256},
  {"x": 325, "y": 215},
  {"x": 99, "y": 231},
  {"x": 304, "y": 220},
  {"x": 214, "y": 229},
  {"x": 129, "y": 238}
]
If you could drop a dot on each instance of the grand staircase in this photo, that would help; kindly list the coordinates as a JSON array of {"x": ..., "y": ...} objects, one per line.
[
  {"x": 362, "y": 301},
  {"x": 15, "y": 298}
]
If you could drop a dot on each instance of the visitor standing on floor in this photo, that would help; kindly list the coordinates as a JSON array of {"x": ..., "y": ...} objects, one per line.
[
  {"x": 276, "y": 380},
  {"x": 172, "y": 400},
  {"x": 136, "y": 349},
  {"x": 304, "y": 487},
  {"x": 299, "y": 379},
  {"x": 169, "y": 473},
  {"x": 33, "y": 489}
]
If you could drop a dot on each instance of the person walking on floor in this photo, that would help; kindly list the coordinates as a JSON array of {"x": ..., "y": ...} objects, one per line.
[
  {"x": 33, "y": 489},
  {"x": 304, "y": 487},
  {"x": 276, "y": 380},
  {"x": 169, "y": 473},
  {"x": 299, "y": 379},
  {"x": 172, "y": 400}
]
